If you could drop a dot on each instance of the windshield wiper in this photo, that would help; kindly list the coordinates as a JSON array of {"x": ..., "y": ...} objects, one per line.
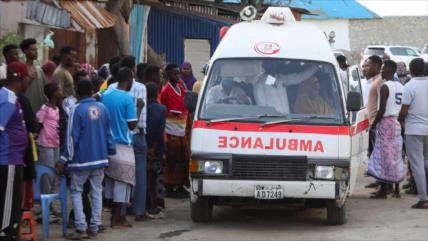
[
  {"x": 303, "y": 119},
  {"x": 246, "y": 118}
]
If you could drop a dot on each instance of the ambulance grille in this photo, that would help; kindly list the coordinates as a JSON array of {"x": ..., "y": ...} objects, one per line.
[{"x": 270, "y": 168}]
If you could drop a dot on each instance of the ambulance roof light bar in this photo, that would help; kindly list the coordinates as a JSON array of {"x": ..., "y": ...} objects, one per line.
[{"x": 278, "y": 15}]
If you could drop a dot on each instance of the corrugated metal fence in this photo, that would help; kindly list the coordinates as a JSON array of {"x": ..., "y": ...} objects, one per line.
[{"x": 167, "y": 31}]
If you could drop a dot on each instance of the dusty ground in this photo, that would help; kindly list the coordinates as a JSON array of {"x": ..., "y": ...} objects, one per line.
[{"x": 390, "y": 219}]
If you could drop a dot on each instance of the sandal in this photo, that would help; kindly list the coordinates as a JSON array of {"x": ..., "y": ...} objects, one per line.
[{"x": 421, "y": 205}]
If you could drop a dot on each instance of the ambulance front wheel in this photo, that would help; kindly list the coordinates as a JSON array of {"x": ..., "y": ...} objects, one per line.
[
  {"x": 335, "y": 215},
  {"x": 201, "y": 210}
]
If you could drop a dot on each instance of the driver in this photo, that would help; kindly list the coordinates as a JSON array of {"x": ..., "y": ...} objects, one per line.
[{"x": 228, "y": 92}]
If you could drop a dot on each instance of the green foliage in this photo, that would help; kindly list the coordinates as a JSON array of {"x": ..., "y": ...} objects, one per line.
[{"x": 9, "y": 38}]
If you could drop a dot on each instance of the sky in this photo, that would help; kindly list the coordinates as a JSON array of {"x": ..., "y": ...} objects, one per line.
[{"x": 397, "y": 7}]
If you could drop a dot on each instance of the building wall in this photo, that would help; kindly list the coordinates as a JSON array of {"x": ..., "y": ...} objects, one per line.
[
  {"x": 167, "y": 31},
  {"x": 11, "y": 13},
  {"x": 410, "y": 31},
  {"x": 339, "y": 26}
]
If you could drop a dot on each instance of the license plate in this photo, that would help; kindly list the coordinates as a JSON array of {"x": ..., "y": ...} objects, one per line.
[{"x": 268, "y": 192}]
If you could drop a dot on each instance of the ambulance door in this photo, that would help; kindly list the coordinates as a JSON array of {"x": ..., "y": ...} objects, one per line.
[{"x": 359, "y": 130}]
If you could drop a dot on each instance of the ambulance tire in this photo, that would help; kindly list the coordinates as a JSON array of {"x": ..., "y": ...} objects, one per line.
[
  {"x": 335, "y": 215},
  {"x": 201, "y": 210}
]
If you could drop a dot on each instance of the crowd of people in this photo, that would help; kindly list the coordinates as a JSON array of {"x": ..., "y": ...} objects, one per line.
[
  {"x": 398, "y": 118},
  {"x": 119, "y": 134}
]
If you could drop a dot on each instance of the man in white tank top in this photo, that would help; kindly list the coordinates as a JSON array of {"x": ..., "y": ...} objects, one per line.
[{"x": 386, "y": 163}]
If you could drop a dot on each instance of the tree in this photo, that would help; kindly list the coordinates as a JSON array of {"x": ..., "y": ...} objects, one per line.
[{"x": 121, "y": 9}]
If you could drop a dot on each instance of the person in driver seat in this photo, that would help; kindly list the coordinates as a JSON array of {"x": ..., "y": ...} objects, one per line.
[{"x": 228, "y": 92}]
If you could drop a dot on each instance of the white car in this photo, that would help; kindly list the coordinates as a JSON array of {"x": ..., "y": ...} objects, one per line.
[
  {"x": 424, "y": 53},
  {"x": 394, "y": 52}
]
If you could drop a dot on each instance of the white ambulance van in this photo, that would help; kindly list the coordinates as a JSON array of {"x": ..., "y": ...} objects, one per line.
[{"x": 272, "y": 124}]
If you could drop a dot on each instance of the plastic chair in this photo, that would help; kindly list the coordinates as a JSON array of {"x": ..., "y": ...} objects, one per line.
[
  {"x": 27, "y": 216},
  {"x": 47, "y": 199}
]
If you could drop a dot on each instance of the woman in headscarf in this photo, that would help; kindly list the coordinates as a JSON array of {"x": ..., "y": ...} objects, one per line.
[
  {"x": 48, "y": 69},
  {"x": 186, "y": 75},
  {"x": 309, "y": 100},
  {"x": 89, "y": 70}
]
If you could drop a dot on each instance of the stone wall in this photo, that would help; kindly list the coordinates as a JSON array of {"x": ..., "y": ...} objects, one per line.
[{"x": 409, "y": 31}]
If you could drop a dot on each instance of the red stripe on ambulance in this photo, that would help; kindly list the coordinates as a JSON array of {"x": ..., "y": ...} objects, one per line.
[{"x": 256, "y": 127}]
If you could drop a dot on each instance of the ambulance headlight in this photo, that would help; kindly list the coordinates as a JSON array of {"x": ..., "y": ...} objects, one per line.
[
  {"x": 211, "y": 167},
  {"x": 324, "y": 172}
]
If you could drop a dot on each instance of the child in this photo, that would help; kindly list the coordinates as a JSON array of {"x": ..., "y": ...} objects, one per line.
[
  {"x": 85, "y": 159},
  {"x": 386, "y": 162},
  {"x": 49, "y": 141},
  {"x": 156, "y": 118}
]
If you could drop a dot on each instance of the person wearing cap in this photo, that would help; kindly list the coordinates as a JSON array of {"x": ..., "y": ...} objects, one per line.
[
  {"x": 13, "y": 143},
  {"x": 228, "y": 92},
  {"x": 48, "y": 69}
]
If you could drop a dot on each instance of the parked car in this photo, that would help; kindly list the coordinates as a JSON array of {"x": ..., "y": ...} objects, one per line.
[
  {"x": 394, "y": 52},
  {"x": 424, "y": 53}
]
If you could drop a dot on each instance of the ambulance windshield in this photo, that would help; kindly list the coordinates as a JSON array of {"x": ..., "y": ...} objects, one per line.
[{"x": 272, "y": 88}]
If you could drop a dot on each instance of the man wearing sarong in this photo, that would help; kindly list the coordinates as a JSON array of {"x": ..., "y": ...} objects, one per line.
[
  {"x": 121, "y": 173},
  {"x": 386, "y": 162},
  {"x": 375, "y": 81},
  {"x": 172, "y": 97}
]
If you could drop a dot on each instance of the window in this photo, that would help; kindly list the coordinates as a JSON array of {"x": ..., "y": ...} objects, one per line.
[
  {"x": 264, "y": 89},
  {"x": 355, "y": 82},
  {"x": 400, "y": 51},
  {"x": 374, "y": 51}
]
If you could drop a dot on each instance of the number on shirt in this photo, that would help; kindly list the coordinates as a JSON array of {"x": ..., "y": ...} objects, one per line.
[{"x": 398, "y": 98}]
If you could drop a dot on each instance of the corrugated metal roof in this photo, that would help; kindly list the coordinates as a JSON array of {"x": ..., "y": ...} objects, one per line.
[
  {"x": 89, "y": 15},
  {"x": 325, "y": 9},
  {"x": 47, "y": 14}
]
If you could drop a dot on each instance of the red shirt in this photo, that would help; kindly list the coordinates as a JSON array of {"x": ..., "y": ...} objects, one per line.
[{"x": 173, "y": 100}]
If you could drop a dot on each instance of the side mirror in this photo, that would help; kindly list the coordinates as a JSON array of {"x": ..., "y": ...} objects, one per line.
[
  {"x": 205, "y": 68},
  {"x": 190, "y": 101},
  {"x": 353, "y": 101}
]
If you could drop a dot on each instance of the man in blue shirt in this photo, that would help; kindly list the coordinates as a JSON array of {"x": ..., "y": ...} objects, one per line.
[
  {"x": 156, "y": 118},
  {"x": 13, "y": 143},
  {"x": 139, "y": 94},
  {"x": 121, "y": 174},
  {"x": 88, "y": 144}
]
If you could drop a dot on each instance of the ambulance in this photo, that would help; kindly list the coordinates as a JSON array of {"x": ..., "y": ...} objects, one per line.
[{"x": 274, "y": 124}]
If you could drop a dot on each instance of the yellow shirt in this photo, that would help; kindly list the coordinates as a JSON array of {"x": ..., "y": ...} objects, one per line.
[{"x": 197, "y": 86}]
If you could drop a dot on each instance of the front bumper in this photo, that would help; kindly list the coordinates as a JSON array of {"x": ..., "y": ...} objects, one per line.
[{"x": 246, "y": 188}]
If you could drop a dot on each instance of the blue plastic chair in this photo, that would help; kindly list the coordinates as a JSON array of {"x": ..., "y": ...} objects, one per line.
[{"x": 47, "y": 199}]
